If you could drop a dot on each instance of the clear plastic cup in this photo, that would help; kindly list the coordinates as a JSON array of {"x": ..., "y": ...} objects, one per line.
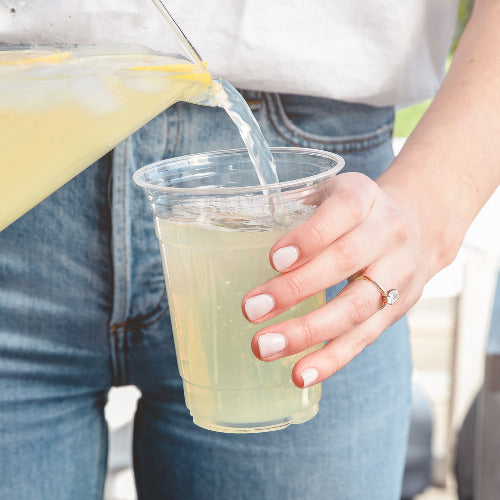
[{"x": 216, "y": 226}]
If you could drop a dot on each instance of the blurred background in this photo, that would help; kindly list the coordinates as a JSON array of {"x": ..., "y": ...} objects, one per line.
[
  {"x": 450, "y": 327},
  {"x": 454, "y": 331}
]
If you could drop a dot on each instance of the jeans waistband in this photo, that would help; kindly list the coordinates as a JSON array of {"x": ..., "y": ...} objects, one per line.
[{"x": 360, "y": 117}]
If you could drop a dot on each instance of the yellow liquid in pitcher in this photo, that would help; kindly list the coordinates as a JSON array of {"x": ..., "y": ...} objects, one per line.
[
  {"x": 60, "y": 111},
  {"x": 208, "y": 271}
]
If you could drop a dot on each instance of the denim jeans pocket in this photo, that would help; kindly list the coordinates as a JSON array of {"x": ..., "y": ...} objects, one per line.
[{"x": 328, "y": 124}]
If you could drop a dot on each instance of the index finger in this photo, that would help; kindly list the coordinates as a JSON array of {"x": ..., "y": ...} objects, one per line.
[{"x": 343, "y": 210}]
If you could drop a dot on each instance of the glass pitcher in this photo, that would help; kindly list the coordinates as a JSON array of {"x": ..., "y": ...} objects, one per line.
[{"x": 76, "y": 78}]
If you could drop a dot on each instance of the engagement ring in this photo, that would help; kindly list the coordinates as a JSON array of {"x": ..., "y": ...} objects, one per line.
[{"x": 388, "y": 297}]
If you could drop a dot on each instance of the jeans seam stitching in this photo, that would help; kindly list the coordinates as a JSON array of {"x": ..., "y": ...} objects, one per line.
[
  {"x": 132, "y": 323},
  {"x": 118, "y": 369},
  {"x": 177, "y": 131},
  {"x": 294, "y": 130},
  {"x": 167, "y": 134},
  {"x": 279, "y": 121},
  {"x": 162, "y": 313},
  {"x": 125, "y": 246},
  {"x": 125, "y": 359}
]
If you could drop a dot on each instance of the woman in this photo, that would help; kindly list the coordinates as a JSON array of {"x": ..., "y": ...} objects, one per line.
[{"x": 82, "y": 295}]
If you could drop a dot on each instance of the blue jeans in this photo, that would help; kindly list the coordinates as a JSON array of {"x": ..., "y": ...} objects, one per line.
[{"x": 83, "y": 308}]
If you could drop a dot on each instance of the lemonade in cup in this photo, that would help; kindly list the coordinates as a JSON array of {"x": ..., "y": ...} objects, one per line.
[{"x": 216, "y": 225}]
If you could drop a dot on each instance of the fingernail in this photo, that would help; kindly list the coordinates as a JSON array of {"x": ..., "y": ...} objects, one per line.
[
  {"x": 271, "y": 343},
  {"x": 309, "y": 376},
  {"x": 285, "y": 257},
  {"x": 258, "y": 306}
]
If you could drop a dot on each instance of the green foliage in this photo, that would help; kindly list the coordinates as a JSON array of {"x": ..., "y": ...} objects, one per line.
[
  {"x": 464, "y": 12},
  {"x": 407, "y": 118}
]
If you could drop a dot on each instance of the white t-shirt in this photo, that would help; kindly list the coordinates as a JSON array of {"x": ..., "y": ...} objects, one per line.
[{"x": 385, "y": 52}]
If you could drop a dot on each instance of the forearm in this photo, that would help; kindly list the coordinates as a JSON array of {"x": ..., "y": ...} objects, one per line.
[{"x": 450, "y": 164}]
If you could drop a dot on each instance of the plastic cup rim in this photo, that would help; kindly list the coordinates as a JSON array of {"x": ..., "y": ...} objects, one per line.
[{"x": 138, "y": 174}]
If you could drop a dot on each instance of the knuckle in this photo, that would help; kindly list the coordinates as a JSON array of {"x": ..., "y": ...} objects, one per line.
[
  {"x": 296, "y": 285},
  {"x": 309, "y": 333},
  {"x": 399, "y": 225},
  {"x": 359, "y": 181},
  {"x": 354, "y": 203},
  {"x": 359, "y": 341},
  {"x": 319, "y": 234},
  {"x": 359, "y": 310},
  {"x": 407, "y": 270},
  {"x": 334, "y": 362},
  {"x": 410, "y": 270},
  {"x": 345, "y": 257},
  {"x": 410, "y": 299}
]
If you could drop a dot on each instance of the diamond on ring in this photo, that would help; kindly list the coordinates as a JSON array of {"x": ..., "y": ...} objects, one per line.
[
  {"x": 391, "y": 297},
  {"x": 388, "y": 298}
]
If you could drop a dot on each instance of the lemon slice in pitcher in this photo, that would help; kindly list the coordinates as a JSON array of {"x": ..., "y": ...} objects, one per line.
[
  {"x": 22, "y": 57},
  {"x": 185, "y": 71}
]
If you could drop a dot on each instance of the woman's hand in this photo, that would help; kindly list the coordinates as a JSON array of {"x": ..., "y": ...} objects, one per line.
[
  {"x": 399, "y": 231},
  {"x": 358, "y": 230}
]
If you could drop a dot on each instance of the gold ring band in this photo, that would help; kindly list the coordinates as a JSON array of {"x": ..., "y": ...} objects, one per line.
[{"x": 388, "y": 297}]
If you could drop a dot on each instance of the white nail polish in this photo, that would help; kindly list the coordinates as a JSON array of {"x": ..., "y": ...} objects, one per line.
[
  {"x": 258, "y": 306},
  {"x": 285, "y": 257},
  {"x": 309, "y": 376},
  {"x": 271, "y": 343}
]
